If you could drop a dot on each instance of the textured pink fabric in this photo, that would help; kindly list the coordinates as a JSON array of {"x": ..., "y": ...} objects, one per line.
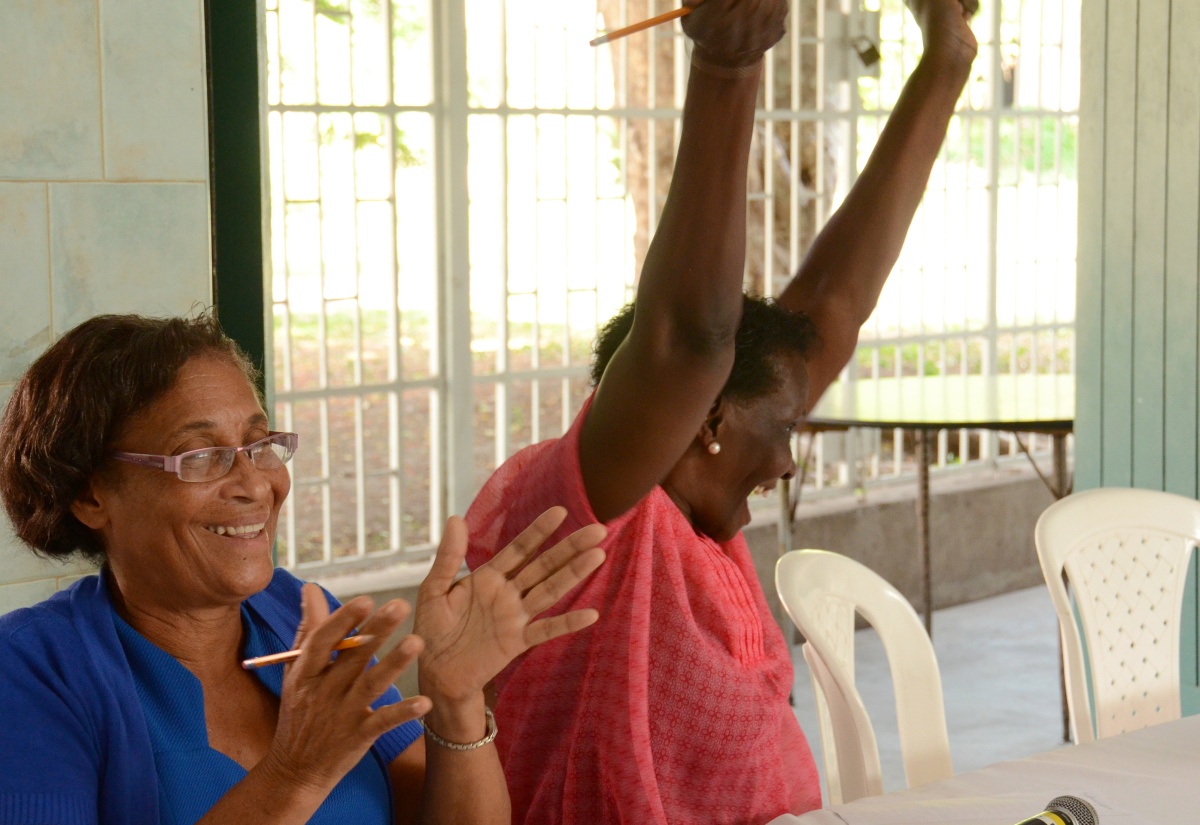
[{"x": 673, "y": 708}]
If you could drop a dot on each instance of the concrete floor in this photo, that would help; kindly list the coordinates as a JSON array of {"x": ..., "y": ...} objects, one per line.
[{"x": 999, "y": 665}]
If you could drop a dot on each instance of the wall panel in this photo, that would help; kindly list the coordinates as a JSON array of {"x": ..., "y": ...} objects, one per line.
[
  {"x": 1120, "y": 146},
  {"x": 1139, "y": 344},
  {"x": 1182, "y": 319},
  {"x": 1149, "y": 216},
  {"x": 1089, "y": 298},
  {"x": 103, "y": 188}
]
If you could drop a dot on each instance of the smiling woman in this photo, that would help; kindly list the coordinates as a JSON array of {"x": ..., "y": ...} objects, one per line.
[
  {"x": 171, "y": 545},
  {"x": 143, "y": 444}
]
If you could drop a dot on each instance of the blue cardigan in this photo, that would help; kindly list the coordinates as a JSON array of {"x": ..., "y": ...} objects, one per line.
[{"x": 74, "y": 745}]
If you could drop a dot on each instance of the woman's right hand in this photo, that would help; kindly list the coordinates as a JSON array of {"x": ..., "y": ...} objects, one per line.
[
  {"x": 474, "y": 626},
  {"x": 326, "y": 723},
  {"x": 734, "y": 33}
]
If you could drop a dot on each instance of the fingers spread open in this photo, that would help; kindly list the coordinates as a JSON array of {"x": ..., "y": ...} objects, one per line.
[
  {"x": 559, "y": 555},
  {"x": 387, "y": 618},
  {"x": 544, "y": 630},
  {"x": 376, "y": 680},
  {"x": 547, "y": 592},
  {"x": 522, "y": 548},
  {"x": 381, "y": 624}
]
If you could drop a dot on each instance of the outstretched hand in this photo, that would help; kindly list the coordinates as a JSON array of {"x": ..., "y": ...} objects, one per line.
[
  {"x": 475, "y": 626},
  {"x": 735, "y": 33},
  {"x": 944, "y": 26}
]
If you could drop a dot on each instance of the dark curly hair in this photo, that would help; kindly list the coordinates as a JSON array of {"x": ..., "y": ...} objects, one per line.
[
  {"x": 73, "y": 402},
  {"x": 765, "y": 331}
]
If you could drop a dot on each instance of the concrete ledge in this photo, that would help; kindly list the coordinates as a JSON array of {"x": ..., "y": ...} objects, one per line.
[
  {"x": 981, "y": 537},
  {"x": 404, "y": 576}
]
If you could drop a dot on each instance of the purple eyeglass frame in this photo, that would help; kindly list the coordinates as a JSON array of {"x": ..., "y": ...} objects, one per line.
[{"x": 174, "y": 463}]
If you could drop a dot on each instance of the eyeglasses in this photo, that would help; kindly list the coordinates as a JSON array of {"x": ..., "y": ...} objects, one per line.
[{"x": 211, "y": 463}]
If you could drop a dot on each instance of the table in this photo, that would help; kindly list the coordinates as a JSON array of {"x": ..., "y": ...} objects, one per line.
[
  {"x": 1148, "y": 777},
  {"x": 1012, "y": 403}
]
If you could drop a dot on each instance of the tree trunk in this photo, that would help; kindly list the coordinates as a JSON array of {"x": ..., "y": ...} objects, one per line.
[{"x": 632, "y": 78}]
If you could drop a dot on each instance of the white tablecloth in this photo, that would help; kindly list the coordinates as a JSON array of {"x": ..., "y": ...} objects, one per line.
[{"x": 1149, "y": 777}]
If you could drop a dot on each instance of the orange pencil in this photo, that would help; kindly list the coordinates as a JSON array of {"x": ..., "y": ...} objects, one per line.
[
  {"x": 645, "y": 24},
  {"x": 290, "y": 655}
]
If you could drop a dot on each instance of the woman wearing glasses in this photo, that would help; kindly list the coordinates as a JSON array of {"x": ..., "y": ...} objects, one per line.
[{"x": 143, "y": 445}]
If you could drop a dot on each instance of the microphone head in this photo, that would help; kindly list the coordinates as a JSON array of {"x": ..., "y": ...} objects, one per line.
[{"x": 1081, "y": 812}]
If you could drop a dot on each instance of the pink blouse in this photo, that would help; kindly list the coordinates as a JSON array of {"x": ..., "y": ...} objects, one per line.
[{"x": 673, "y": 708}]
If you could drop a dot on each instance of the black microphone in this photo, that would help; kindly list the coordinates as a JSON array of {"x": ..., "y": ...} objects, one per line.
[{"x": 1064, "y": 810}]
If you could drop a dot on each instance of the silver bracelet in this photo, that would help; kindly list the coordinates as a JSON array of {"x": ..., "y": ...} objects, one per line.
[{"x": 468, "y": 746}]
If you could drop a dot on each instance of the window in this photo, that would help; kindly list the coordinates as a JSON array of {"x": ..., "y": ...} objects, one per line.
[
  {"x": 986, "y": 281},
  {"x": 450, "y": 226}
]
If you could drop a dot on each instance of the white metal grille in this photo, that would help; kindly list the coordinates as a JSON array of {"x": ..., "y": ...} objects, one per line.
[
  {"x": 985, "y": 284},
  {"x": 412, "y": 368}
]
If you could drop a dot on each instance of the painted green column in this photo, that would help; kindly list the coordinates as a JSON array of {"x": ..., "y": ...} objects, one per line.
[
  {"x": 1138, "y": 305},
  {"x": 236, "y": 149},
  {"x": 237, "y": 153}
]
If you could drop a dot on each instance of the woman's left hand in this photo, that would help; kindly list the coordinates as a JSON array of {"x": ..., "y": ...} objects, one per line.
[
  {"x": 945, "y": 28},
  {"x": 475, "y": 626}
]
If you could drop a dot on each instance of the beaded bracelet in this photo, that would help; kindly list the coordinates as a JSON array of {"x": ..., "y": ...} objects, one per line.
[{"x": 487, "y": 739}]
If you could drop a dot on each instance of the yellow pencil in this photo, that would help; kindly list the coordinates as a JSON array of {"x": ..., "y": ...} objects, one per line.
[
  {"x": 290, "y": 655},
  {"x": 645, "y": 24}
]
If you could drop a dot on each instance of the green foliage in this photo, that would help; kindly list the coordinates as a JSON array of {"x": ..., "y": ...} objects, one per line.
[
  {"x": 1027, "y": 145},
  {"x": 305, "y": 326},
  {"x": 937, "y": 357},
  {"x": 405, "y": 156},
  {"x": 408, "y": 21},
  {"x": 608, "y": 129},
  {"x": 330, "y": 131},
  {"x": 326, "y": 136},
  {"x": 336, "y": 13},
  {"x": 862, "y": 358},
  {"x": 364, "y": 139},
  {"x": 1016, "y": 352},
  {"x": 408, "y": 24}
]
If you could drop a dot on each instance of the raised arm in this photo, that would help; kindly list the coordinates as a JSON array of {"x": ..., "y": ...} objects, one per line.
[
  {"x": 662, "y": 381},
  {"x": 839, "y": 282}
]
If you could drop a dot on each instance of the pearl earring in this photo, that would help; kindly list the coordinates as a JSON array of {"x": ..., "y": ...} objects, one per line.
[{"x": 714, "y": 448}]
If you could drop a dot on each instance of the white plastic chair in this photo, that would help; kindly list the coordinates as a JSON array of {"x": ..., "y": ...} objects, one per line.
[
  {"x": 1125, "y": 554},
  {"x": 822, "y": 591}
]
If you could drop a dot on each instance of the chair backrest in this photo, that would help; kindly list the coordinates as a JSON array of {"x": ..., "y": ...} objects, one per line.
[
  {"x": 822, "y": 591},
  {"x": 1125, "y": 555}
]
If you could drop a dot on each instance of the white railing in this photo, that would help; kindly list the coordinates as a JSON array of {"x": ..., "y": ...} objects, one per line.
[{"x": 450, "y": 226}]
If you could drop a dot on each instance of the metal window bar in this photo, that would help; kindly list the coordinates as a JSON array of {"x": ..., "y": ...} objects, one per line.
[{"x": 510, "y": 368}]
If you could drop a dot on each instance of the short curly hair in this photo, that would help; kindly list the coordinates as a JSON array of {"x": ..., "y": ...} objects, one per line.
[
  {"x": 74, "y": 401},
  {"x": 765, "y": 331}
]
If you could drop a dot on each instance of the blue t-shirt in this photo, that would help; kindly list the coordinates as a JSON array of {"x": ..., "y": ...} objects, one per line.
[{"x": 192, "y": 776}]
